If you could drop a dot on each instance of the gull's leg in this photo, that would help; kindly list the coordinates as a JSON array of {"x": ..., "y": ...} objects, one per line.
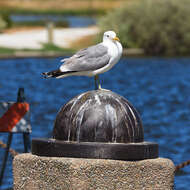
[
  {"x": 99, "y": 85},
  {"x": 97, "y": 82}
]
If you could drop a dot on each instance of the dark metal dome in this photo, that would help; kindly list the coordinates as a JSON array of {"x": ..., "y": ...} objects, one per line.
[
  {"x": 97, "y": 124},
  {"x": 98, "y": 116}
]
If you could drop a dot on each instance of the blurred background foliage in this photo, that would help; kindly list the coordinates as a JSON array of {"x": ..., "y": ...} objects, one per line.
[
  {"x": 7, "y": 19},
  {"x": 3, "y": 24},
  {"x": 82, "y": 7},
  {"x": 160, "y": 27}
]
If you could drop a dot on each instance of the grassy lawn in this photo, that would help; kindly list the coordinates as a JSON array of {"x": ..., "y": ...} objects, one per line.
[
  {"x": 46, "y": 48},
  {"x": 4, "y": 50},
  {"x": 52, "y": 47}
]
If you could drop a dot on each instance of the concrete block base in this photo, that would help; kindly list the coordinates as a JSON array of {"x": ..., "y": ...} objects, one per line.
[{"x": 33, "y": 173}]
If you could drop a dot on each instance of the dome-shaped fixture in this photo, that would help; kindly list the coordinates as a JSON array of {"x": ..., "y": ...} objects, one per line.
[
  {"x": 98, "y": 116},
  {"x": 97, "y": 124}
]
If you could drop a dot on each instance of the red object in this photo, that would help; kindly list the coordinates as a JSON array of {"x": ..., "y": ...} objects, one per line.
[{"x": 13, "y": 115}]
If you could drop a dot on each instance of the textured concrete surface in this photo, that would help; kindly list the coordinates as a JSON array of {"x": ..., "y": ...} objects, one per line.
[{"x": 33, "y": 172}]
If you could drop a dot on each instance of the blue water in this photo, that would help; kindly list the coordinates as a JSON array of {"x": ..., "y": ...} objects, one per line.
[
  {"x": 74, "y": 21},
  {"x": 158, "y": 87}
]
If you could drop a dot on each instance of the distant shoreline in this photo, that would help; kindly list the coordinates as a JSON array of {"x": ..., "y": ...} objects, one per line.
[{"x": 36, "y": 54}]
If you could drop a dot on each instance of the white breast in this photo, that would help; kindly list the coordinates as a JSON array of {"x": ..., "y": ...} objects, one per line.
[{"x": 115, "y": 51}]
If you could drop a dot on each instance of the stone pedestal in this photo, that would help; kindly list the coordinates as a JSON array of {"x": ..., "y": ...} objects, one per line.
[{"x": 33, "y": 172}]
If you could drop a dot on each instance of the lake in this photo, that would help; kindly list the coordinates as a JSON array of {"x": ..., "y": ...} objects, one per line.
[
  {"x": 159, "y": 88},
  {"x": 73, "y": 21}
]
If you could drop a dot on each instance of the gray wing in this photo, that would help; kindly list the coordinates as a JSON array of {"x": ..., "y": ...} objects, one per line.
[{"x": 89, "y": 59}]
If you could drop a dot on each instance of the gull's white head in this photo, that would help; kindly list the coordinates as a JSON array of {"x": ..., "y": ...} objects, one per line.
[{"x": 110, "y": 35}]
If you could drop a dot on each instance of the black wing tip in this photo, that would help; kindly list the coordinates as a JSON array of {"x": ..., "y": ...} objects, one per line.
[
  {"x": 45, "y": 75},
  {"x": 55, "y": 74}
]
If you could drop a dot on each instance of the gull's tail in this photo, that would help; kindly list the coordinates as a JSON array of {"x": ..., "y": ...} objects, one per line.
[{"x": 56, "y": 74}]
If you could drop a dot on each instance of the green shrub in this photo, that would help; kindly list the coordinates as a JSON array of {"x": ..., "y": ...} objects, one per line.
[
  {"x": 7, "y": 19},
  {"x": 5, "y": 15},
  {"x": 157, "y": 26},
  {"x": 3, "y": 24}
]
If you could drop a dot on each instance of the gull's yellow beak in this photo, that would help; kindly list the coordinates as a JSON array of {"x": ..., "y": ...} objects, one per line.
[{"x": 116, "y": 39}]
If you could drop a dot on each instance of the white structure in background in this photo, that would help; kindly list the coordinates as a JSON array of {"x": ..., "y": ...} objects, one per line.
[{"x": 34, "y": 38}]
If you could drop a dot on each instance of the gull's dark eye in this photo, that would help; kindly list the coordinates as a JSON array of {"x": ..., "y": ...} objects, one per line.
[{"x": 108, "y": 36}]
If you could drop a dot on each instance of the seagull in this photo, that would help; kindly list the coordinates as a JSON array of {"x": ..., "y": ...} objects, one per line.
[{"x": 91, "y": 61}]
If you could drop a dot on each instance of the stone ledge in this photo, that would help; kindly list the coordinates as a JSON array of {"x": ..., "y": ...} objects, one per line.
[{"x": 49, "y": 173}]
